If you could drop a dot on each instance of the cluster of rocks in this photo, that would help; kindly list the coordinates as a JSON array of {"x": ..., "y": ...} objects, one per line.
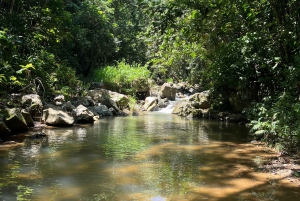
[
  {"x": 97, "y": 103},
  {"x": 101, "y": 102},
  {"x": 194, "y": 103}
]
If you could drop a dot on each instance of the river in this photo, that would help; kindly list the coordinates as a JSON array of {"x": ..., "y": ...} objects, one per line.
[{"x": 154, "y": 157}]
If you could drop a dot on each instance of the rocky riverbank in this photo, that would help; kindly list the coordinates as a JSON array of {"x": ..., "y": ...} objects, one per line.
[
  {"x": 19, "y": 112},
  {"x": 30, "y": 110}
]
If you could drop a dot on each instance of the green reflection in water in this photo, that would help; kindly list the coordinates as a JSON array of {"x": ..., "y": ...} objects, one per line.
[
  {"x": 131, "y": 158},
  {"x": 120, "y": 146}
]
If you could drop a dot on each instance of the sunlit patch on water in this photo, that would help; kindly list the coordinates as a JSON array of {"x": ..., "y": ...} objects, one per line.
[
  {"x": 158, "y": 198},
  {"x": 156, "y": 157}
]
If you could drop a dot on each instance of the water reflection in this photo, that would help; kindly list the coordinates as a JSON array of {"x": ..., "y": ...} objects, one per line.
[{"x": 155, "y": 157}]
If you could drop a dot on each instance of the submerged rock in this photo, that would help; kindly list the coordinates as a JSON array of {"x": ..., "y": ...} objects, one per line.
[{"x": 38, "y": 135}]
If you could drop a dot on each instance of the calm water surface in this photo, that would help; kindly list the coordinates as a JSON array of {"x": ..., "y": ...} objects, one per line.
[{"x": 155, "y": 157}]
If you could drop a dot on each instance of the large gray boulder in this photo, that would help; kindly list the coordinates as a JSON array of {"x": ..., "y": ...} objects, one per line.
[
  {"x": 83, "y": 115},
  {"x": 57, "y": 118},
  {"x": 101, "y": 110},
  {"x": 180, "y": 107},
  {"x": 151, "y": 104},
  {"x": 88, "y": 101},
  {"x": 99, "y": 95},
  {"x": 14, "y": 120},
  {"x": 33, "y": 104},
  {"x": 197, "y": 105},
  {"x": 102, "y": 96},
  {"x": 120, "y": 99},
  {"x": 168, "y": 90},
  {"x": 200, "y": 100}
]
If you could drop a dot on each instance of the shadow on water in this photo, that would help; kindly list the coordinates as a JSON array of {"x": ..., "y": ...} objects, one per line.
[{"x": 155, "y": 157}]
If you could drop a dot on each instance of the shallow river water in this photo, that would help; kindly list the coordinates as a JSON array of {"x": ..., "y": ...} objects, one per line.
[{"x": 154, "y": 157}]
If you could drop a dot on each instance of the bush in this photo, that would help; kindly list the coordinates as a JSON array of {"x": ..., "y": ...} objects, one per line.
[
  {"x": 122, "y": 76},
  {"x": 277, "y": 122}
]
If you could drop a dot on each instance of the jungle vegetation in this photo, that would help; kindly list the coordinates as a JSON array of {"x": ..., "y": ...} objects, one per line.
[{"x": 246, "y": 49}]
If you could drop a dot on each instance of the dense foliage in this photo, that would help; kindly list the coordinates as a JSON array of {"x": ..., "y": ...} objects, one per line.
[
  {"x": 44, "y": 43},
  {"x": 245, "y": 50},
  {"x": 242, "y": 50}
]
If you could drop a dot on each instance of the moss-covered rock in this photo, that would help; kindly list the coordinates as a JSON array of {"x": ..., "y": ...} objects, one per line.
[
  {"x": 120, "y": 99},
  {"x": 14, "y": 120}
]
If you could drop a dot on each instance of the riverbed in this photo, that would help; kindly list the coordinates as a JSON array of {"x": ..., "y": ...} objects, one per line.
[{"x": 154, "y": 157}]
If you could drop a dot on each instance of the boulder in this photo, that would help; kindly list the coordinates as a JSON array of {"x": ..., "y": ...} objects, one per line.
[
  {"x": 88, "y": 101},
  {"x": 163, "y": 103},
  {"x": 141, "y": 88},
  {"x": 168, "y": 91},
  {"x": 27, "y": 117},
  {"x": 120, "y": 99},
  {"x": 151, "y": 104},
  {"x": 196, "y": 105},
  {"x": 83, "y": 115},
  {"x": 200, "y": 100},
  {"x": 102, "y": 96},
  {"x": 14, "y": 120},
  {"x": 183, "y": 87},
  {"x": 33, "y": 104},
  {"x": 57, "y": 118},
  {"x": 59, "y": 100},
  {"x": 180, "y": 107},
  {"x": 99, "y": 95},
  {"x": 69, "y": 106},
  {"x": 101, "y": 110}
]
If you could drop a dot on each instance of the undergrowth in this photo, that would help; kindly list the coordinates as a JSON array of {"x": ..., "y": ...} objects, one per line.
[{"x": 122, "y": 76}]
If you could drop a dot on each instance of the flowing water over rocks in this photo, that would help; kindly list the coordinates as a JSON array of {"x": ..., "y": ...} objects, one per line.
[{"x": 155, "y": 157}]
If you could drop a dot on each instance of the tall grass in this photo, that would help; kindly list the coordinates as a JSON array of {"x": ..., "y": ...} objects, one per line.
[{"x": 121, "y": 75}]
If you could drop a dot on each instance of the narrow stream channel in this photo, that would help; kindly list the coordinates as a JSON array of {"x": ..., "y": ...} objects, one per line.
[{"x": 154, "y": 157}]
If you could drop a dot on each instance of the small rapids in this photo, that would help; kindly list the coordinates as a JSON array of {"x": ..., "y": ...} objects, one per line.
[{"x": 170, "y": 107}]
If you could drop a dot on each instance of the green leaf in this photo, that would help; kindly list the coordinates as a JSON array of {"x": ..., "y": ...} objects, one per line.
[{"x": 260, "y": 132}]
